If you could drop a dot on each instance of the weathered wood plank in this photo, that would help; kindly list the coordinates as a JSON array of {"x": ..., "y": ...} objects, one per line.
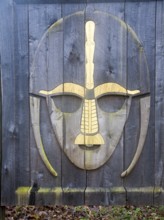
[
  {"x": 22, "y": 116},
  {"x": 50, "y": 1},
  {"x": 159, "y": 106},
  {"x": 9, "y": 132},
  {"x": 61, "y": 58},
  {"x": 39, "y": 24},
  {"x": 115, "y": 8},
  {"x": 41, "y": 17},
  {"x": 0, "y": 131},
  {"x": 108, "y": 50},
  {"x": 142, "y": 175},
  {"x": 2, "y": 212},
  {"x": 73, "y": 178},
  {"x": 72, "y": 1}
]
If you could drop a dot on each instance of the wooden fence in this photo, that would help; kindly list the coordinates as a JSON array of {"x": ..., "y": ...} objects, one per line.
[{"x": 82, "y": 86}]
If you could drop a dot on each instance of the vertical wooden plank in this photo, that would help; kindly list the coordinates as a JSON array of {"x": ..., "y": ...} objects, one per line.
[
  {"x": 22, "y": 117},
  {"x": 2, "y": 212},
  {"x": 41, "y": 17},
  {"x": 9, "y": 132},
  {"x": 0, "y": 131},
  {"x": 139, "y": 184},
  {"x": 73, "y": 178},
  {"x": 159, "y": 106},
  {"x": 115, "y": 8},
  {"x": 104, "y": 185}
]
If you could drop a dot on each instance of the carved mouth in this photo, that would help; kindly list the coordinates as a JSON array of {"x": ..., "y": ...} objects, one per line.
[{"x": 89, "y": 147}]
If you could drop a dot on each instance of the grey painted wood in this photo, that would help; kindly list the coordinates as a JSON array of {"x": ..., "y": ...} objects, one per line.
[
  {"x": 39, "y": 21},
  {"x": 43, "y": 187},
  {"x": 71, "y": 1},
  {"x": 0, "y": 133},
  {"x": 142, "y": 175},
  {"x": 9, "y": 131},
  {"x": 115, "y": 8},
  {"x": 60, "y": 58},
  {"x": 74, "y": 64},
  {"x": 50, "y": 1},
  {"x": 22, "y": 116},
  {"x": 107, "y": 176},
  {"x": 2, "y": 212},
  {"x": 159, "y": 106},
  {"x": 41, "y": 17}
]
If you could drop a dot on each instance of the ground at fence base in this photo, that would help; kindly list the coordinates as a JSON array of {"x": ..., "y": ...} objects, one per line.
[{"x": 85, "y": 212}]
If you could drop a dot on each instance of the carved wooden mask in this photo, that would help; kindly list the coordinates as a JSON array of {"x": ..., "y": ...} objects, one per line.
[{"x": 89, "y": 67}]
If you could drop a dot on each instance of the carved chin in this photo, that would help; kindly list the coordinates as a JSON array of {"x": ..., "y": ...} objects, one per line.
[
  {"x": 90, "y": 159},
  {"x": 93, "y": 157}
]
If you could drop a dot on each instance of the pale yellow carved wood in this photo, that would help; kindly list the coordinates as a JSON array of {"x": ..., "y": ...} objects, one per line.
[
  {"x": 113, "y": 88},
  {"x": 35, "y": 119},
  {"x": 65, "y": 88},
  {"x": 89, "y": 54},
  {"x": 145, "y": 112}
]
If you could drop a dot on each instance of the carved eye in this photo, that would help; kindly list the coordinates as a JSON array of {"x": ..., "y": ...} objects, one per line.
[
  {"x": 67, "y": 103},
  {"x": 111, "y": 103}
]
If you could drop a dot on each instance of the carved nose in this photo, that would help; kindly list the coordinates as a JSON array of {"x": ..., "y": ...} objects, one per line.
[
  {"x": 89, "y": 121},
  {"x": 89, "y": 126}
]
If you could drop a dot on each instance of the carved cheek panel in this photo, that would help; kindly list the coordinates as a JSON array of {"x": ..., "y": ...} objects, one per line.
[
  {"x": 57, "y": 118},
  {"x": 109, "y": 124},
  {"x": 108, "y": 129},
  {"x": 111, "y": 134}
]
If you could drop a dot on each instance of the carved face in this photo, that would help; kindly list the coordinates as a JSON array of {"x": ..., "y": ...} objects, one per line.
[{"x": 89, "y": 99}]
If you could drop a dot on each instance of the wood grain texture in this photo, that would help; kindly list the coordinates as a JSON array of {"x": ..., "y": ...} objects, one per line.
[
  {"x": 9, "y": 132},
  {"x": 106, "y": 70},
  {"x": 22, "y": 116},
  {"x": 2, "y": 212},
  {"x": 145, "y": 166},
  {"x": 0, "y": 133},
  {"x": 72, "y": 1},
  {"x": 159, "y": 106},
  {"x": 74, "y": 72},
  {"x": 39, "y": 54},
  {"x": 50, "y": 1},
  {"x": 41, "y": 17}
]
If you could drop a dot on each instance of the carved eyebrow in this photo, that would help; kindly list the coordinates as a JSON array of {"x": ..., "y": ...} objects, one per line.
[
  {"x": 65, "y": 88},
  {"x": 113, "y": 88},
  {"x": 100, "y": 90}
]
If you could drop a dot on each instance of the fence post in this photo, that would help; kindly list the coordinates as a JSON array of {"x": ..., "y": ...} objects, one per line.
[
  {"x": 2, "y": 212},
  {"x": 2, "y": 208}
]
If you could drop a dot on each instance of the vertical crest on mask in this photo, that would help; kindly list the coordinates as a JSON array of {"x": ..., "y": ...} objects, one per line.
[{"x": 89, "y": 53}]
